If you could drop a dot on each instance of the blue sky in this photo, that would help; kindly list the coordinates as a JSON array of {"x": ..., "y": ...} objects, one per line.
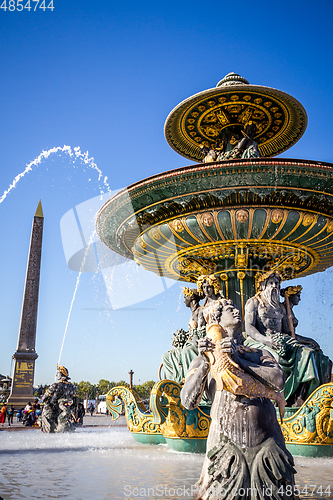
[{"x": 103, "y": 76}]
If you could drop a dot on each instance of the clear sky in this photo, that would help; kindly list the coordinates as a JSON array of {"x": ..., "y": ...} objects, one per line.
[{"x": 103, "y": 76}]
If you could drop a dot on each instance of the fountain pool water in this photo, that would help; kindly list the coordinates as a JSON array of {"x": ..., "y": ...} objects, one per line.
[{"x": 106, "y": 463}]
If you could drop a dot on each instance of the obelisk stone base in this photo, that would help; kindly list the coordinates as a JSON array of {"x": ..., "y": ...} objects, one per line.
[{"x": 23, "y": 378}]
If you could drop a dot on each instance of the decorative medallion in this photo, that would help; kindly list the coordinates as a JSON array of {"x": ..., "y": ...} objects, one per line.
[
  {"x": 329, "y": 227},
  {"x": 242, "y": 215},
  {"x": 277, "y": 216},
  {"x": 279, "y": 119},
  {"x": 178, "y": 225},
  {"x": 155, "y": 233},
  {"x": 308, "y": 219},
  {"x": 207, "y": 219}
]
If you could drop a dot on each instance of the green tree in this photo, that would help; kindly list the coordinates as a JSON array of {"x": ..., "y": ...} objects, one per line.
[
  {"x": 40, "y": 390},
  {"x": 104, "y": 386},
  {"x": 144, "y": 389},
  {"x": 85, "y": 389}
]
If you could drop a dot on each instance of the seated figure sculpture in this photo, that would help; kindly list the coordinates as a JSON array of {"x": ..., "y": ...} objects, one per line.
[
  {"x": 238, "y": 143},
  {"x": 246, "y": 456},
  {"x": 292, "y": 297},
  {"x": 58, "y": 399},
  {"x": 177, "y": 360},
  {"x": 303, "y": 363}
]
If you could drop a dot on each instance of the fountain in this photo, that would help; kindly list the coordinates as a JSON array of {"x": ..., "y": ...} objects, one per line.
[
  {"x": 100, "y": 463},
  {"x": 108, "y": 463},
  {"x": 236, "y": 214}
]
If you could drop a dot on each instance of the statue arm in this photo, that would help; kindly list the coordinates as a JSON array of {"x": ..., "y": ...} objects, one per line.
[
  {"x": 195, "y": 382},
  {"x": 264, "y": 368},
  {"x": 308, "y": 342},
  {"x": 49, "y": 393},
  {"x": 201, "y": 319}
]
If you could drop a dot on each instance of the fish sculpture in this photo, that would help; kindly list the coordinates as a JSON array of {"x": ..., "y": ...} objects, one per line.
[{"x": 231, "y": 377}]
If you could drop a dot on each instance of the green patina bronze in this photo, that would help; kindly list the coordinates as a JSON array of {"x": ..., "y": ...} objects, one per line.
[
  {"x": 237, "y": 218},
  {"x": 307, "y": 430}
]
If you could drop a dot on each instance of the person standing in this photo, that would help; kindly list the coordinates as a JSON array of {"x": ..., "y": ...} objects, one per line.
[
  {"x": 10, "y": 414},
  {"x": 19, "y": 415},
  {"x": 3, "y": 415}
]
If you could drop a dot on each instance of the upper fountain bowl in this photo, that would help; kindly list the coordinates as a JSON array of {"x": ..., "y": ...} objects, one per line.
[{"x": 232, "y": 105}]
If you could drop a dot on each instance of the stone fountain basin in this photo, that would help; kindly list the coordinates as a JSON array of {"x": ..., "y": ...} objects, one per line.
[{"x": 226, "y": 214}]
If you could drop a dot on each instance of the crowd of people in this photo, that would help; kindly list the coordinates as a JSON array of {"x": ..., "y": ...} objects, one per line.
[{"x": 30, "y": 414}]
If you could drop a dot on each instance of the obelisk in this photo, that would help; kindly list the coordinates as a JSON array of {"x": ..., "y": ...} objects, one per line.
[{"x": 25, "y": 354}]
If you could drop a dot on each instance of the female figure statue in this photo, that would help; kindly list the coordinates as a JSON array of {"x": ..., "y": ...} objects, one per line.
[
  {"x": 210, "y": 287},
  {"x": 246, "y": 455},
  {"x": 192, "y": 299}
]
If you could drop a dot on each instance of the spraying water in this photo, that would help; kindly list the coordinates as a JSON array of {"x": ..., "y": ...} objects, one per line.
[
  {"x": 75, "y": 290},
  {"x": 89, "y": 161},
  {"x": 69, "y": 315},
  {"x": 75, "y": 152}
]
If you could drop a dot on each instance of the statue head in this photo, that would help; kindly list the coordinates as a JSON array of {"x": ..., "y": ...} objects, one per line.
[
  {"x": 208, "y": 285},
  {"x": 269, "y": 286},
  {"x": 207, "y": 219},
  {"x": 228, "y": 316},
  {"x": 191, "y": 298},
  {"x": 277, "y": 216},
  {"x": 242, "y": 215},
  {"x": 294, "y": 294},
  {"x": 62, "y": 373}
]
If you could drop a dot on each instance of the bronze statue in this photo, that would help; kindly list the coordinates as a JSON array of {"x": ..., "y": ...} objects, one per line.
[
  {"x": 238, "y": 142},
  {"x": 292, "y": 297},
  {"x": 177, "y": 360},
  {"x": 209, "y": 154},
  {"x": 58, "y": 400},
  {"x": 210, "y": 287},
  {"x": 247, "y": 146},
  {"x": 246, "y": 455},
  {"x": 268, "y": 327},
  {"x": 227, "y": 372},
  {"x": 192, "y": 300}
]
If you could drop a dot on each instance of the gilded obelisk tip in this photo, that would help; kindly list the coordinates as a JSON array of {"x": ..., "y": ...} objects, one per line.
[{"x": 39, "y": 211}]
